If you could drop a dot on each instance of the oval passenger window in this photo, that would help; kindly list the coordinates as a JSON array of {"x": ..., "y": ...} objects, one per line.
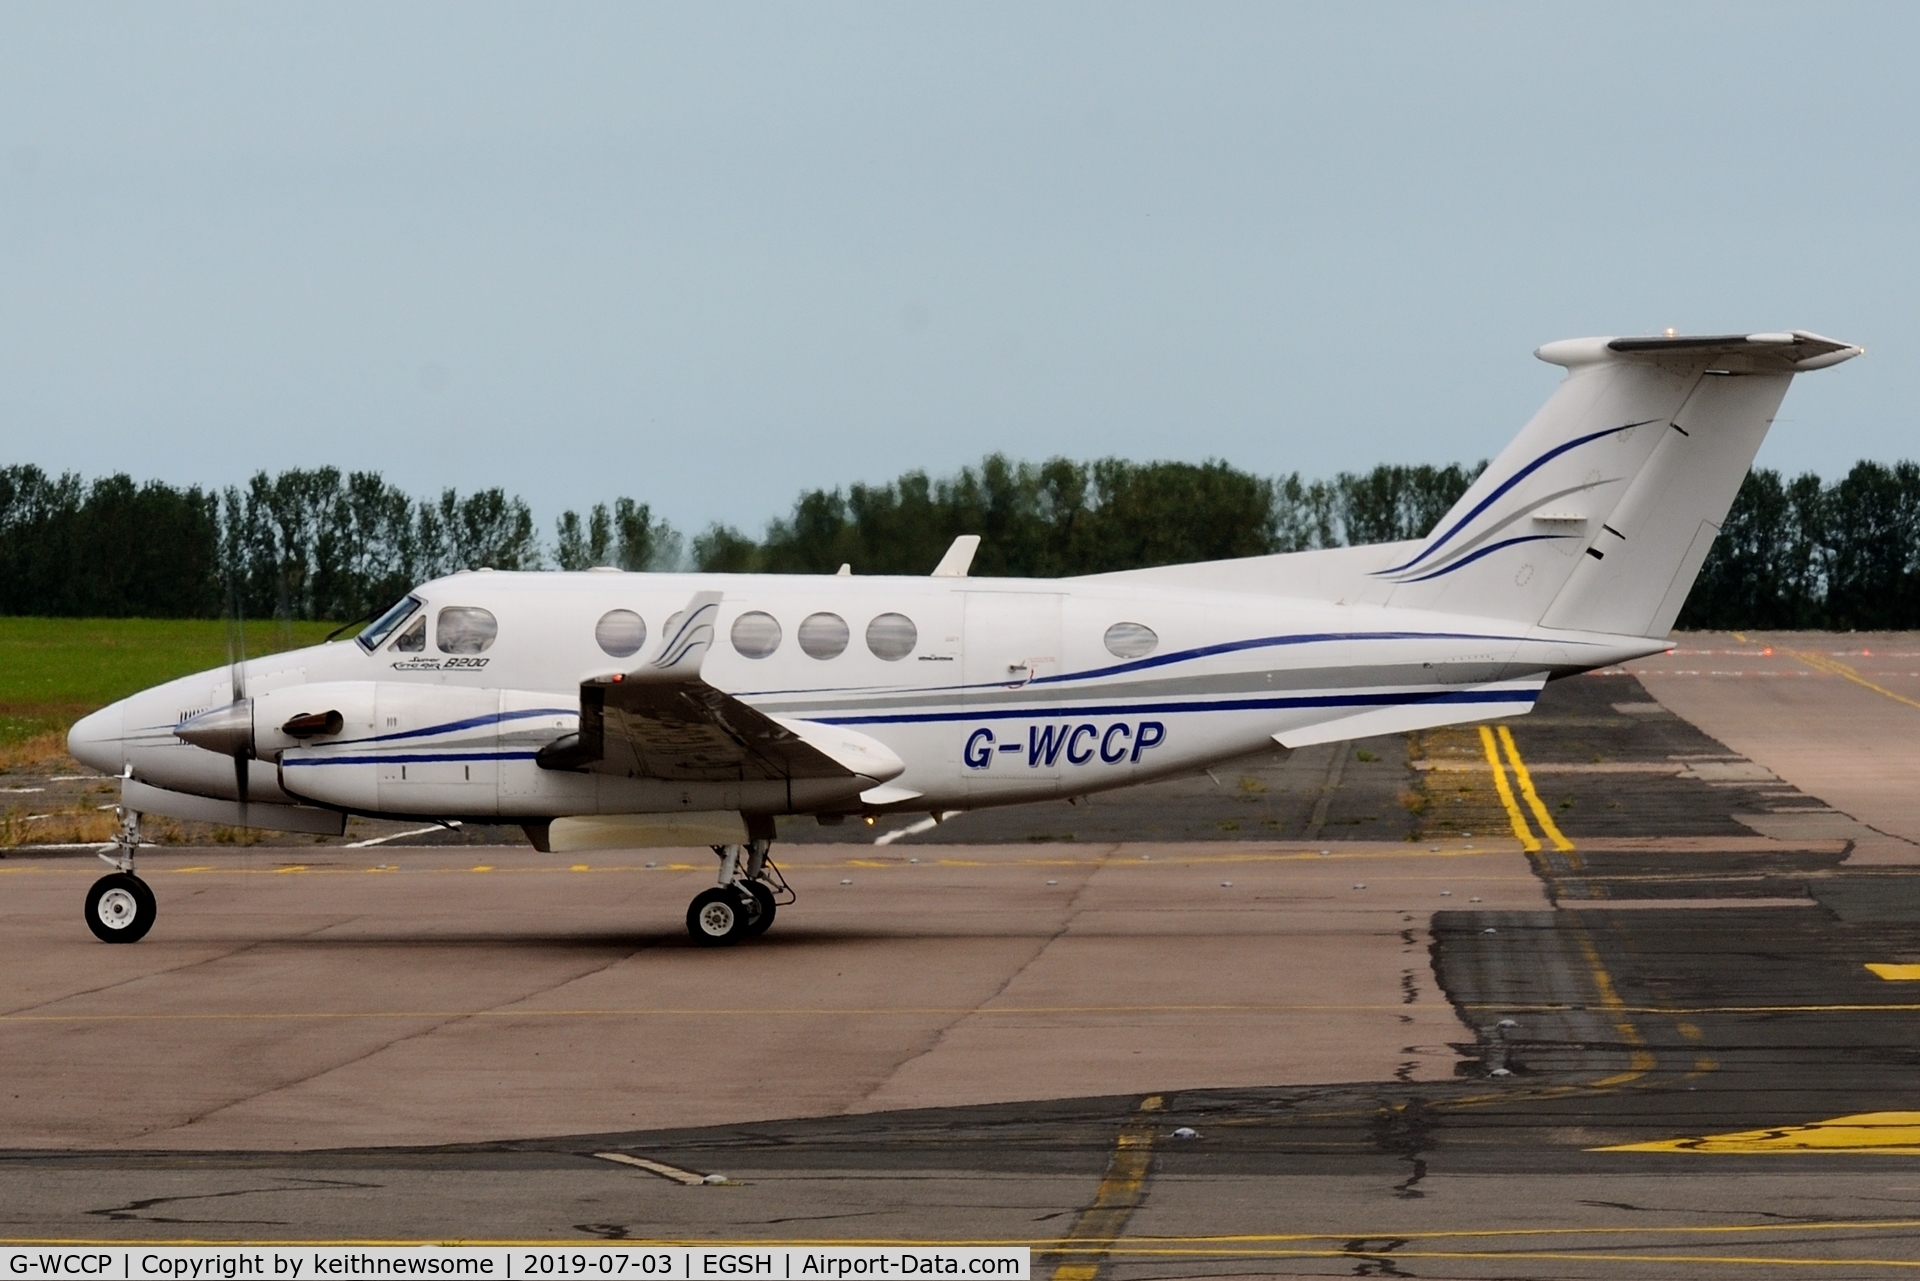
[
  {"x": 620, "y": 632},
  {"x": 464, "y": 629},
  {"x": 1131, "y": 640},
  {"x": 756, "y": 634},
  {"x": 824, "y": 635},
  {"x": 892, "y": 637}
]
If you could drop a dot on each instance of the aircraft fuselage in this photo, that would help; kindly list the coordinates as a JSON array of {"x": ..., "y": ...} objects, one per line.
[{"x": 989, "y": 692}]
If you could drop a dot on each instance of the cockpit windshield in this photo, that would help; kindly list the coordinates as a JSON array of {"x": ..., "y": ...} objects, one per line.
[{"x": 382, "y": 627}]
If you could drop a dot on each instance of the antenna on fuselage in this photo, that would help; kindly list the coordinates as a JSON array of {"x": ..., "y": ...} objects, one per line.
[{"x": 959, "y": 557}]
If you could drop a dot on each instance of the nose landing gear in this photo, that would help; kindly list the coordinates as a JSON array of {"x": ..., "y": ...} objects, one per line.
[
  {"x": 742, "y": 904},
  {"x": 120, "y": 907}
]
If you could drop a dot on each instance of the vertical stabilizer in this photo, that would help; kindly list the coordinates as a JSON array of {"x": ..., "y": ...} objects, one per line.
[{"x": 1598, "y": 515}]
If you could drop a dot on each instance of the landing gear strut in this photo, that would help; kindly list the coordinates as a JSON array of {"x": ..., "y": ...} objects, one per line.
[
  {"x": 120, "y": 907},
  {"x": 742, "y": 904}
]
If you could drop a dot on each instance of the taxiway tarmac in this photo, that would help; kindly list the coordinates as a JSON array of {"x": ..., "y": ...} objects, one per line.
[
  {"x": 429, "y": 998},
  {"x": 1654, "y": 1048},
  {"x": 1834, "y": 714}
]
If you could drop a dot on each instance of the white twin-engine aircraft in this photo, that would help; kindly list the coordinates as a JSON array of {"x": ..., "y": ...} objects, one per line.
[{"x": 614, "y": 710}]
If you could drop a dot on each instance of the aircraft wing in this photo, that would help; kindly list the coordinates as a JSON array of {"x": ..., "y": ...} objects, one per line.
[{"x": 664, "y": 721}]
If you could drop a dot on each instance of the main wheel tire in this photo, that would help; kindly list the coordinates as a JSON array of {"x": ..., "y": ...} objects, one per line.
[
  {"x": 760, "y": 912},
  {"x": 717, "y": 917},
  {"x": 120, "y": 908}
]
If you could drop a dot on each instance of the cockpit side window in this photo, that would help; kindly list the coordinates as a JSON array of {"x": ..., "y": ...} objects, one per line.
[
  {"x": 382, "y": 627},
  {"x": 413, "y": 640},
  {"x": 465, "y": 629}
]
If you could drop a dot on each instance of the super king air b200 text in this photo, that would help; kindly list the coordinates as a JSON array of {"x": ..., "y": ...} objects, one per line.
[{"x": 611, "y": 710}]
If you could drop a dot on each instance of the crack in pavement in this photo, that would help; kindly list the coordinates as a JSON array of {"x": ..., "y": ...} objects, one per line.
[
  {"x": 1069, "y": 914},
  {"x": 130, "y": 1212},
  {"x": 384, "y": 1046},
  {"x": 184, "y": 968}
]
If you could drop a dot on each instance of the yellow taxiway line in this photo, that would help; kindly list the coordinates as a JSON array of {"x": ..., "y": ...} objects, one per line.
[
  {"x": 1539, "y": 807},
  {"x": 1516, "y": 817},
  {"x": 1098, "y": 1227},
  {"x": 1642, "y": 1057},
  {"x": 1521, "y": 832},
  {"x": 1834, "y": 667},
  {"x": 1382, "y": 851}
]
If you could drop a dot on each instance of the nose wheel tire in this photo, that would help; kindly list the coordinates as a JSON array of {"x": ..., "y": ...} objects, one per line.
[
  {"x": 120, "y": 908},
  {"x": 718, "y": 917}
]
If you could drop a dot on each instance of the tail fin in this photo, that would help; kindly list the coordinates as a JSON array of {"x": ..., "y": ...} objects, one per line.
[{"x": 1598, "y": 515}]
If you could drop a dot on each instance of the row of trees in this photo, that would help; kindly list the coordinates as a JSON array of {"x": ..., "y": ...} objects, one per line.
[
  {"x": 1802, "y": 554},
  {"x": 322, "y": 544},
  {"x": 1045, "y": 520},
  {"x": 308, "y": 544}
]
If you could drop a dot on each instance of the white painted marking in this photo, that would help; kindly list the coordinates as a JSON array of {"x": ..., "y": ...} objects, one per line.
[
  {"x": 688, "y": 1177},
  {"x": 394, "y": 836},
  {"x": 912, "y": 829}
]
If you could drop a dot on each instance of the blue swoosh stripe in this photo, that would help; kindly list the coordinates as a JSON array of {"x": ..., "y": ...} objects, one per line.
[
  {"x": 474, "y": 722},
  {"x": 1513, "y": 480},
  {"x": 1225, "y": 705},
  {"x": 1488, "y": 550},
  {"x": 1262, "y": 642}
]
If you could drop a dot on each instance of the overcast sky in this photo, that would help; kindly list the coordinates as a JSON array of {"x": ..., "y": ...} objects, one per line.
[{"x": 707, "y": 255}]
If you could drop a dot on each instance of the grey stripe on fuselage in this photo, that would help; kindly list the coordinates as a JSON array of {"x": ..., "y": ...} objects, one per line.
[{"x": 1284, "y": 681}]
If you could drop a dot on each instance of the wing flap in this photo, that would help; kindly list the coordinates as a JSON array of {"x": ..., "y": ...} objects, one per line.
[{"x": 688, "y": 731}]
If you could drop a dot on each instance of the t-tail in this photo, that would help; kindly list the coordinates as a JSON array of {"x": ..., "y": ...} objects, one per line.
[{"x": 1597, "y": 517}]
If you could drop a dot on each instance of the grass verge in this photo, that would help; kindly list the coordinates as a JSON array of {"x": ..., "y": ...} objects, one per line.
[{"x": 55, "y": 670}]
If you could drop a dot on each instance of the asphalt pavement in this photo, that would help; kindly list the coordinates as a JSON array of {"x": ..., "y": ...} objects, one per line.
[{"x": 1676, "y": 1036}]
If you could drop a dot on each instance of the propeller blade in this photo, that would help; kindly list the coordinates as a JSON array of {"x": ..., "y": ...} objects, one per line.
[{"x": 242, "y": 746}]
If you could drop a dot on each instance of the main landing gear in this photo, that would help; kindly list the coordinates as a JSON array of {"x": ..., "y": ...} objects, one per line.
[
  {"x": 120, "y": 907},
  {"x": 742, "y": 904}
]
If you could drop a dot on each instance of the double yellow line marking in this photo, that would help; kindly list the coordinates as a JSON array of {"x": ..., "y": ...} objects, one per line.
[{"x": 1515, "y": 815}]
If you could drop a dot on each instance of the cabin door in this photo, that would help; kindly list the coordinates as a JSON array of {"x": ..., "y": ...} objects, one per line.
[{"x": 1012, "y": 641}]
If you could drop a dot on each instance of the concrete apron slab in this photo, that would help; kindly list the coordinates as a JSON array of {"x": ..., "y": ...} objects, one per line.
[
  {"x": 442, "y": 996},
  {"x": 1836, "y": 716}
]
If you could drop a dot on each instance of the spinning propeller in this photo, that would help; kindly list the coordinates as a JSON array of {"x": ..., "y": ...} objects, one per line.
[
  {"x": 229, "y": 730},
  {"x": 237, "y": 675}
]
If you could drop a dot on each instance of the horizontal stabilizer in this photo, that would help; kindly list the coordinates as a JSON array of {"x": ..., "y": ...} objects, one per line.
[{"x": 1783, "y": 353}]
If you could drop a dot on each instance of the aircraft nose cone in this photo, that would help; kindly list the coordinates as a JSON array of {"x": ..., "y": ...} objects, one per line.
[{"x": 97, "y": 740}]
